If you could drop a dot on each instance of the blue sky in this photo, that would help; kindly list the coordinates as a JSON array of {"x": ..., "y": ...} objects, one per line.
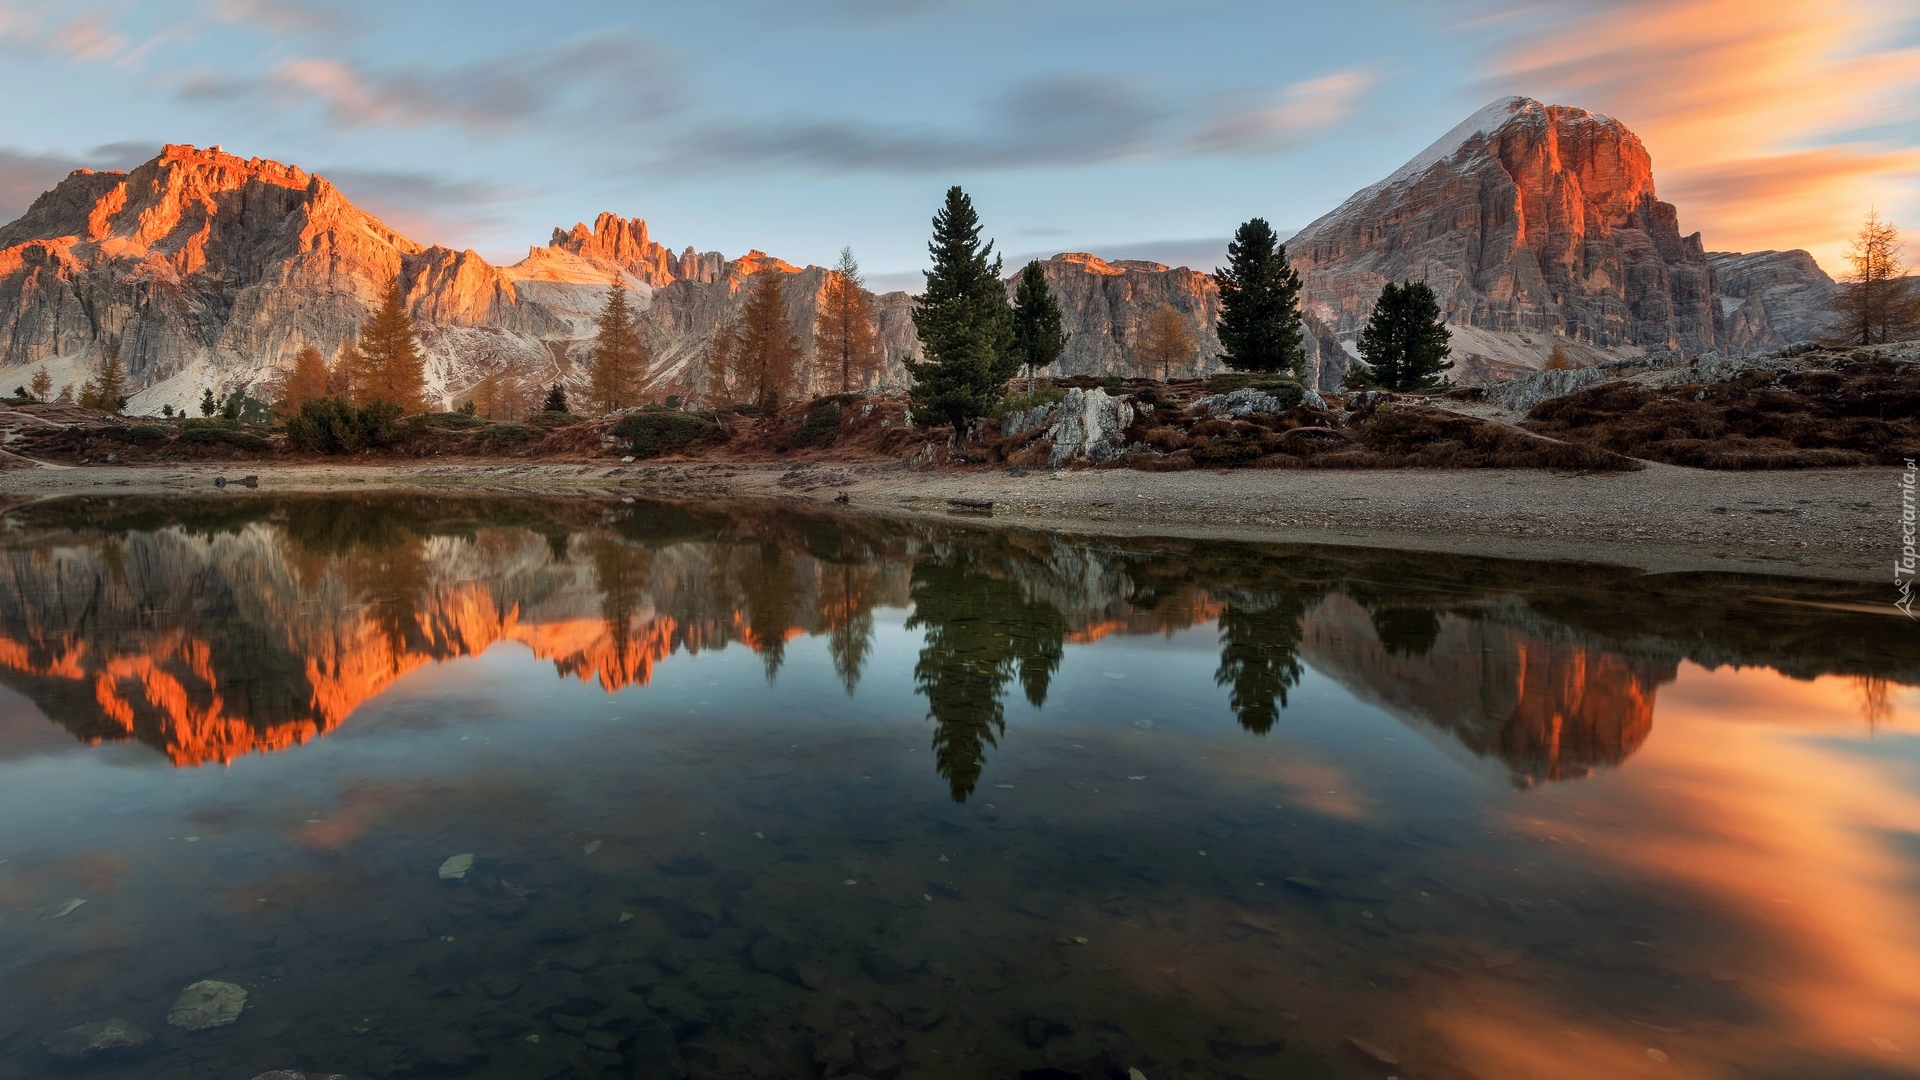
[{"x": 1125, "y": 127}]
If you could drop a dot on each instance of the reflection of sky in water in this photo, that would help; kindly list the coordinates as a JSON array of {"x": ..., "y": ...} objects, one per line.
[{"x": 1733, "y": 892}]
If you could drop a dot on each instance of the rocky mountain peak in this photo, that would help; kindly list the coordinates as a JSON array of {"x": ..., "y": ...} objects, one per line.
[
  {"x": 1535, "y": 224},
  {"x": 621, "y": 243}
]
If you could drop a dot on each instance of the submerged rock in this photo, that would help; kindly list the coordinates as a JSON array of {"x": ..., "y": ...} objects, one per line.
[
  {"x": 772, "y": 954},
  {"x": 456, "y": 868},
  {"x": 207, "y": 1004},
  {"x": 100, "y": 1039}
]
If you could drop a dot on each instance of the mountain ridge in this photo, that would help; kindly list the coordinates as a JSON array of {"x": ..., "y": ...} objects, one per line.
[{"x": 1537, "y": 224}]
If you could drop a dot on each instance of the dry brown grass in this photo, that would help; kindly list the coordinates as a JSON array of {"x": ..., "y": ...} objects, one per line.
[{"x": 1854, "y": 414}]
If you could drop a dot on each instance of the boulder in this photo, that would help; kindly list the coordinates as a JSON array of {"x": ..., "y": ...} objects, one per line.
[
  {"x": 208, "y": 1003},
  {"x": 1088, "y": 426}
]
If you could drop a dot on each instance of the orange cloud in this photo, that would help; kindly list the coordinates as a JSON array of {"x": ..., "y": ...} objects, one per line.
[{"x": 1761, "y": 118}]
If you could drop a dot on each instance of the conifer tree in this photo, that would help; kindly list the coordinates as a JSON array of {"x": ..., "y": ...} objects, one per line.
[
  {"x": 965, "y": 325},
  {"x": 305, "y": 382},
  {"x": 42, "y": 384},
  {"x": 846, "y": 345},
  {"x": 387, "y": 362},
  {"x": 1165, "y": 341},
  {"x": 556, "y": 399},
  {"x": 617, "y": 371},
  {"x": 1260, "y": 303},
  {"x": 1877, "y": 302},
  {"x": 208, "y": 406},
  {"x": 1405, "y": 342},
  {"x": 767, "y": 355},
  {"x": 1039, "y": 336},
  {"x": 107, "y": 391}
]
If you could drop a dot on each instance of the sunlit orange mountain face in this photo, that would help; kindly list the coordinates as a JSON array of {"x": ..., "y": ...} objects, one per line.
[{"x": 213, "y": 631}]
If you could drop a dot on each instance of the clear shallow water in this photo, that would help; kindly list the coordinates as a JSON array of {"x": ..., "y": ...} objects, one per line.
[{"x": 755, "y": 793}]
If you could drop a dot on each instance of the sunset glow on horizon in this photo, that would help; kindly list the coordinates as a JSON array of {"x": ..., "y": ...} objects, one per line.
[{"x": 1143, "y": 129}]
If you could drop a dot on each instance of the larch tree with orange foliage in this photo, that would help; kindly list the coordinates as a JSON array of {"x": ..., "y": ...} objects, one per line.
[
  {"x": 763, "y": 357},
  {"x": 1165, "y": 341},
  {"x": 846, "y": 344},
  {"x": 306, "y": 381},
  {"x": 386, "y": 362},
  {"x": 617, "y": 371}
]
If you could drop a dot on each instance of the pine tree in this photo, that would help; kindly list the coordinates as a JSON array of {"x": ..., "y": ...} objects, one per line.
[
  {"x": 208, "y": 406},
  {"x": 1039, "y": 336},
  {"x": 387, "y": 362},
  {"x": 42, "y": 384},
  {"x": 1877, "y": 303},
  {"x": 1165, "y": 341},
  {"x": 556, "y": 399},
  {"x": 846, "y": 345},
  {"x": 1260, "y": 303},
  {"x": 767, "y": 355},
  {"x": 617, "y": 371},
  {"x": 307, "y": 381},
  {"x": 965, "y": 325},
  {"x": 1405, "y": 342}
]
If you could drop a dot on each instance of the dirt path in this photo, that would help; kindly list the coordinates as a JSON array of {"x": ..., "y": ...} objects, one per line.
[{"x": 1827, "y": 523}]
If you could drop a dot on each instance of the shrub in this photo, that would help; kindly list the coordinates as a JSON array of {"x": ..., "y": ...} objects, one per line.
[
  {"x": 452, "y": 421},
  {"x": 337, "y": 426},
  {"x": 662, "y": 431},
  {"x": 820, "y": 428},
  {"x": 1236, "y": 450},
  {"x": 146, "y": 434},
  {"x": 1044, "y": 394},
  {"x": 501, "y": 436}
]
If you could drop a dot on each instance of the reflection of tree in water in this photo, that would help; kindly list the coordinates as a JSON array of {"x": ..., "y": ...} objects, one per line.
[
  {"x": 1407, "y": 631},
  {"x": 846, "y": 605},
  {"x": 982, "y": 630},
  {"x": 623, "y": 572},
  {"x": 768, "y": 589},
  {"x": 1259, "y": 645}
]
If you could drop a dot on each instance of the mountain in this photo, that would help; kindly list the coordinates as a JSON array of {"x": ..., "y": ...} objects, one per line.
[
  {"x": 1535, "y": 224},
  {"x": 1770, "y": 298}
]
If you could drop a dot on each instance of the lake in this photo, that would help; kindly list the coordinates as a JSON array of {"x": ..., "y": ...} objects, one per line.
[{"x": 419, "y": 785}]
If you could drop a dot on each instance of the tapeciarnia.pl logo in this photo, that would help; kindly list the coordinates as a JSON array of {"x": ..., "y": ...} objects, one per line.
[{"x": 1903, "y": 568}]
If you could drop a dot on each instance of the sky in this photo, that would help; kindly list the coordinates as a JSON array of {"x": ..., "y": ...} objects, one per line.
[{"x": 1130, "y": 128}]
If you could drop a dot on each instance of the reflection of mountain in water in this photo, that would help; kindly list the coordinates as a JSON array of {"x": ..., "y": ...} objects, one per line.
[
  {"x": 1548, "y": 710},
  {"x": 219, "y": 629},
  {"x": 213, "y": 646}
]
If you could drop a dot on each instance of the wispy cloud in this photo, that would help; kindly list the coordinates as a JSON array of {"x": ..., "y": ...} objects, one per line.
[
  {"x": 289, "y": 18},
  {"x": 613, "y": 78},
  {"x": 1302, "y": 111},
  {"x": 1769, "y": 120},
  {"x": 1042, "y": 123},
  {"x": 25, "y": 176}
]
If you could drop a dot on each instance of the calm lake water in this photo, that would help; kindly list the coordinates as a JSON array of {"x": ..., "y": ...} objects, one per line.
[{"x": 542, "y": 789}]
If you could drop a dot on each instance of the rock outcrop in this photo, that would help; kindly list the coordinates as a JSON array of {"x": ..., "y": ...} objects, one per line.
[
  {"x": 1770, "y": 299},
  {"x": 1528, "y": 220}
]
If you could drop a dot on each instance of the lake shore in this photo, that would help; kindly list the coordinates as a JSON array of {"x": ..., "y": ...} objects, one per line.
[{"x": 1832, "y": 523}]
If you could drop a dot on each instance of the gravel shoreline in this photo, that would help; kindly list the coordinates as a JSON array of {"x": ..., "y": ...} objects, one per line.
[{"x": 1839, "y": 523}]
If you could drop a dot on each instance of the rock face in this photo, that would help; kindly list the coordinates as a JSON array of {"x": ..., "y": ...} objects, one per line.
[
  {"x": 1528, "y": 220},
  {"x": 1105, "y": 304},
  {"x": 1770, "y": 299}
]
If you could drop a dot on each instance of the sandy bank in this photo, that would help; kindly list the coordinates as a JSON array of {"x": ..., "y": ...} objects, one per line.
[{"x": 1826, "y": 523}]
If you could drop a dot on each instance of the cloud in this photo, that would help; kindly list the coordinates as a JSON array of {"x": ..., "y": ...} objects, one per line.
[
  {"x": 611, "y": 78},
  {"x": 1772, "y": 119},
  {"x": 422, "y": 205},
  {"x": 1038, "y": 124},
  {"x": 289, "y": 18},
  {"x": 1303, "y": 110}
]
